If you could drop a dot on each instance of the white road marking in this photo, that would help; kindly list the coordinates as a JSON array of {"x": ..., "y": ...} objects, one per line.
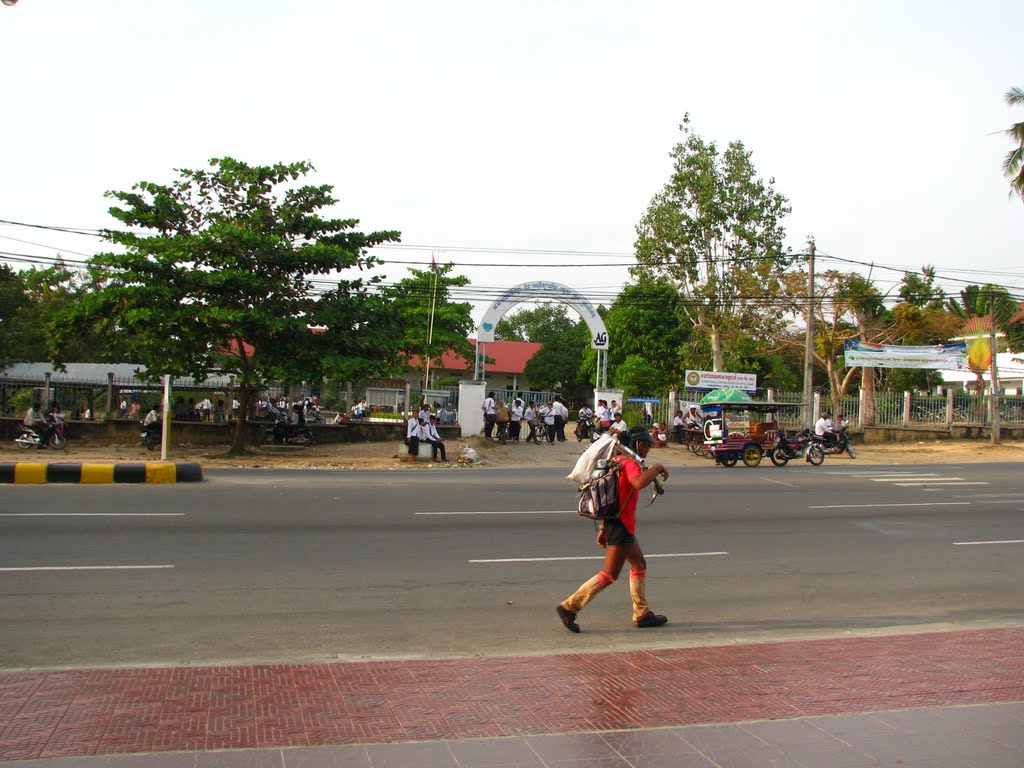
[
  {"x": 590, "y": 557},
  {"x": 881, "y": 473},
  {"x": 914, "y": 504},
  {"x": 86, "y": 568},
  {"x": 974, "y": 543},
  {"x": 770, "y": 480},
  {"x": 941, "y": 482},
  {"x": 92, "y": 514},
  {"x": 499, "y": 512},
  {"x": 898, "y": 478}
]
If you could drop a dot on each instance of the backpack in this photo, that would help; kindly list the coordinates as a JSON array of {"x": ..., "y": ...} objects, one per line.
[{"x": 599, "y": 498}]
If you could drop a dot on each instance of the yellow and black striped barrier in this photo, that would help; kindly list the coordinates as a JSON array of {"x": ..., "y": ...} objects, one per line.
[{"x": 29, "y": 472}]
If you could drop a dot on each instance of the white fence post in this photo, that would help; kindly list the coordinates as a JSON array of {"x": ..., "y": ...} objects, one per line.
[{"x": 906, "y": 409}]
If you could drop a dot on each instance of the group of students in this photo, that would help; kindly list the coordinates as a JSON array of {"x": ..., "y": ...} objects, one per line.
[
  {"x": 508, "y": 419},
  {"x": 422, "y": 429}
]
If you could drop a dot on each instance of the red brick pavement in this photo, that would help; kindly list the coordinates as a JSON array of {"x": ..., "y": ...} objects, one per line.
[{"x": 87, "y": 712}]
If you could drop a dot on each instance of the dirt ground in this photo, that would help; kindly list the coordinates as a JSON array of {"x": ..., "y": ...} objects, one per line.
[{"x": 384, "y": 456}]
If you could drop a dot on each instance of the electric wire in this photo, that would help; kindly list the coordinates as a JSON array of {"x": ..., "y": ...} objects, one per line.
[{"x": 597, "y": 294}]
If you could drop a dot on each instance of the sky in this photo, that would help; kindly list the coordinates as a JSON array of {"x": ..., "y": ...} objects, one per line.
[{"x": 524, "y": 140}]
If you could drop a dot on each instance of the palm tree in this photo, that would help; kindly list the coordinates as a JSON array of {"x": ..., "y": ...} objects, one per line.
[{"x": 1013, "y": 165}]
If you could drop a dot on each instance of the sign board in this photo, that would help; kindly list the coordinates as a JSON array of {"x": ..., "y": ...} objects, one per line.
[
  {"x": 435, "y": 393},
  {"x": 709, "y": 380},
  {"x": 945, "y": 357}
]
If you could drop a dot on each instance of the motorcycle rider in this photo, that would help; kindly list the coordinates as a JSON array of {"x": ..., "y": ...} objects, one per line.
[
  {"x": 152, "y": 423},
  {"x": 297, "y": 420},
  {"x": 825, "y": 429},
  {"x": 35, "y": 420}
]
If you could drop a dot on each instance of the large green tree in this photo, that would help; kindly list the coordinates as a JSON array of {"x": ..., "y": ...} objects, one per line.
[
  {"x": 432, "y": 323},
  {"x": 16, "y": 332},
  {"x": 212, "y": 272},
  {"x": 846, "y": 305},
  {"x": 715, "y": 233},
  {"x": 650, "y": 341},
  {"x": 542, "y": 324},
  {"x": 564, "y": 342}
]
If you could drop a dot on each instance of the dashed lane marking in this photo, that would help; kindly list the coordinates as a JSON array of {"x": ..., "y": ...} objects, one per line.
[
  {"x": 591, "y": 557},
  {"x": 86, "y": 568},
  {"x": 977, "y": 543},
  {"x": 906, "y": 504}
]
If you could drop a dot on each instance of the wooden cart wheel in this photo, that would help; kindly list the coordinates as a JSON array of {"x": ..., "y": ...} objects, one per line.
[{"x": 752, "y": 455}]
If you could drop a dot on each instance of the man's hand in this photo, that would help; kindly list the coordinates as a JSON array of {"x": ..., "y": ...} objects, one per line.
[{"x": 601, "y": 540}]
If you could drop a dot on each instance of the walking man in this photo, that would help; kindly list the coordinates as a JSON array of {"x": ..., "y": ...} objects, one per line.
[{"x": 618, "y": 537}]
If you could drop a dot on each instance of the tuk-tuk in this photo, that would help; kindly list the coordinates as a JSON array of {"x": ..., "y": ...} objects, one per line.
[{"x": 740, "y": 431}]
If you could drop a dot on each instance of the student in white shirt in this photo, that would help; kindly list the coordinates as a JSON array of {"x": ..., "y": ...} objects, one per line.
[
  {"x": 530, "y": 417},
  {"x": 432, "y": 436},
  {"x": 490, "y": 415},
  {"x": 515, "y": 414},
  {"x": 412, "y": 437},
  {"x": 619, "y": 428}
]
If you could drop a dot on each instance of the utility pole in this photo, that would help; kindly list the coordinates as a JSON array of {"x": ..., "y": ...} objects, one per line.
[
  {"x": 993, "y": 370},
  {"x": 809, "y": 342}
]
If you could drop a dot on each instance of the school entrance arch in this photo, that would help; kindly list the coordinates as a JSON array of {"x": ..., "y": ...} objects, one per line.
[{"x": 543, "y": 290}]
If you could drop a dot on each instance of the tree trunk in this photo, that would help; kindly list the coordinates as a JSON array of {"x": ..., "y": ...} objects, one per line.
[
  {"x": 238, "y": 440},
  {"x": 717, "y": 355},
  {"x": 867, "y": 383}
]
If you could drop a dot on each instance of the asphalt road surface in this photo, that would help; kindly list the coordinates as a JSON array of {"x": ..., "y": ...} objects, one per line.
[{"x": 320, "y": 565}]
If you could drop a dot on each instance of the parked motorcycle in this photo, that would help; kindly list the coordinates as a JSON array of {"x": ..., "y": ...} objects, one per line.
[
  {"x": 30, "y": 438},
  {"x": 798, "y": 446},
  {"x": 842, "y": 443},
  {"x": 281, "y": 432},
  {"x": 151, "y": 434},
  {"x": 583, "y": 430}
]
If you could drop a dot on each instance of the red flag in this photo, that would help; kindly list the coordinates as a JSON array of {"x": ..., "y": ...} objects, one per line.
[{"x": 433, "y": 263}]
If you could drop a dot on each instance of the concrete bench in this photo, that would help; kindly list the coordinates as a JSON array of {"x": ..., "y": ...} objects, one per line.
[{"x": 424, "y": 455}]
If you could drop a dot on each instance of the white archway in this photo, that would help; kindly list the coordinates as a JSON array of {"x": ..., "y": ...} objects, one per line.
[{"x": 543, "y": 290}]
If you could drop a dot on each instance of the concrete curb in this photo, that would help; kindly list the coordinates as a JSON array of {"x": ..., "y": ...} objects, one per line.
[{"x": 34, "y": 473}]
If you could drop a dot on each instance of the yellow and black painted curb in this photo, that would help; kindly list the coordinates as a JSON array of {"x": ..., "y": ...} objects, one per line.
[{"x": 32, "y": 472}]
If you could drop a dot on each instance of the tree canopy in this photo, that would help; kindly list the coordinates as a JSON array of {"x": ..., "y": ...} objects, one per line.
[
  {"x": 432, "y": 323},
  {"x": 1013, "y": 165},
  {"x": 212, "y": 272},
  {"x": 715, "y": 233}
]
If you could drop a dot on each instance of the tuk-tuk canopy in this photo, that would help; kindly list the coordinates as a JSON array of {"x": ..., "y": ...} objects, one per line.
[{"x": 726, "y": 395}]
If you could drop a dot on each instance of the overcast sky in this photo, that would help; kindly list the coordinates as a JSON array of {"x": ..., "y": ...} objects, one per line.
[{"x": 530, "y": 126}]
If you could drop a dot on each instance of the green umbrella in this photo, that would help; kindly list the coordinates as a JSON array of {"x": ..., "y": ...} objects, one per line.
[{"x": 726, "y": 395}]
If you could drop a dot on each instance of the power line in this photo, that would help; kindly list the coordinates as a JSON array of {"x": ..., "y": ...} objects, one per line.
[{"x": 943, "y": 277}]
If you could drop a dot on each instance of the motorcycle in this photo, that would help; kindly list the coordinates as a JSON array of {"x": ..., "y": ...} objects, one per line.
[
  {"x": 30, "y": 438},
  {"x": 798, "y": 446},
  {"x": 151, "y": 434},
  {"x": 283, "y": 433},
  {"x": 583, "y": 430},
  {"x": 842, "y": 443}
]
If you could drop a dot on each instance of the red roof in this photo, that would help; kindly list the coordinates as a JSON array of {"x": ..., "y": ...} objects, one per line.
[{"x": 508, "y": 356}]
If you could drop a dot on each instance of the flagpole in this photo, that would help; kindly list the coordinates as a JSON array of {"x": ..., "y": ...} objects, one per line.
[{"x": 430, "y": 331}]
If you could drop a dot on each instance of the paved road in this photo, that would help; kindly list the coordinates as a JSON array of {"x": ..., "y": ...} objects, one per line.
[{"x": 288, "y": 566}]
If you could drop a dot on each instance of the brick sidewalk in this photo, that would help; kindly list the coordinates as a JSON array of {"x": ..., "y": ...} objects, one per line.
[{"x": 89, "y": 712}]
